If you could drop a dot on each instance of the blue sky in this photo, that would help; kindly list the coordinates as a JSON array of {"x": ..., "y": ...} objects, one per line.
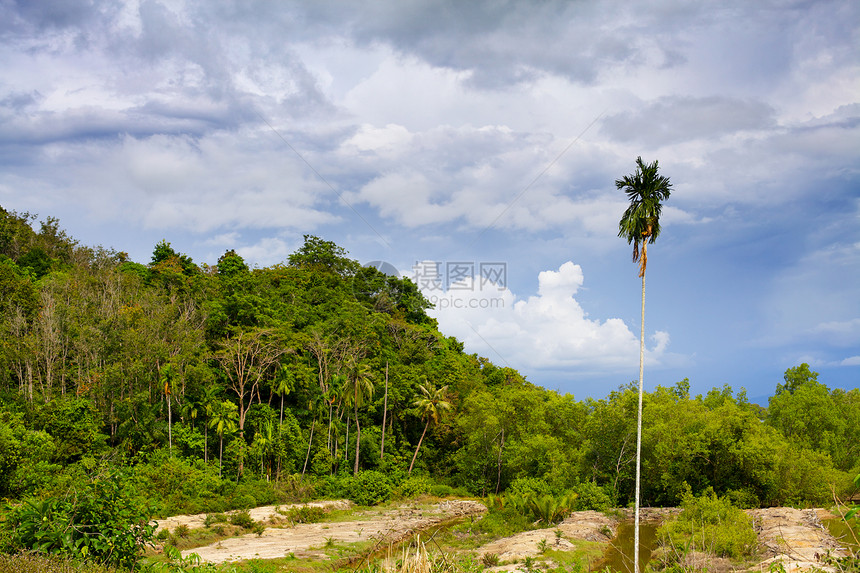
[{"x": 470, "y": 133}]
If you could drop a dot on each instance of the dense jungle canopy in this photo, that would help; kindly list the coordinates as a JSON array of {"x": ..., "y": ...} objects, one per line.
[{"x": 207, "y": 386}]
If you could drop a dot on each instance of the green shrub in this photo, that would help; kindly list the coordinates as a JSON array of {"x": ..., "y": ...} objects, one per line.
[
  {"x": 369, "y": 488},
  {"x": 306, "y": 514},
  {"x": 502, "y": 522},
  {"x": 101, "y": 520},
  {"x": 441, "y": 490},
  {"x": 245, "y": 501},
  {"x": 709, "y": 524},
  {"x": 414, "y": 486},
  {"x": 591, "y": 496},
  {"x": 242, "y": 519},
  {"x": 214, "y": 518},
  {"x": 743, "y": 498},
  {"x": 529, "y": 487}
]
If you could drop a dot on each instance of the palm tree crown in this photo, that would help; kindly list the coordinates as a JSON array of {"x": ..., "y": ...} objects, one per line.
[
  {"x": 430, "y": 406},
  {"x": 646, "y": 190}
]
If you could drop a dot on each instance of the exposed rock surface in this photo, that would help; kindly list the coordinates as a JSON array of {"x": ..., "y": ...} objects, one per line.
[{"x": 795, "y": 538}]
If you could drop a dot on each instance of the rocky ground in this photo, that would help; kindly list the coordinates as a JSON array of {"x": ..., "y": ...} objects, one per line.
[{"x": 794, "y": 538}]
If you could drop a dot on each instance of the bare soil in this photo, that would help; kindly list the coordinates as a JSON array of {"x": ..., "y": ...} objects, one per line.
[
  {"x": 795, "y": 538},
  {"x": 369, "y": 527}
]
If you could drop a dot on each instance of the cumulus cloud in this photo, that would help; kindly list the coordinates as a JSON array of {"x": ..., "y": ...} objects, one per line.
[{"x": 549, "y": 330}]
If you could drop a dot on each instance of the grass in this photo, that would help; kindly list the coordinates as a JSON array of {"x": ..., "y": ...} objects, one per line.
[{"x": 37, "y": 563}]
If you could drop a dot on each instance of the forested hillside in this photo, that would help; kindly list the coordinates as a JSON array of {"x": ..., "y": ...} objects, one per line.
[{"x": 212, "y": 387}]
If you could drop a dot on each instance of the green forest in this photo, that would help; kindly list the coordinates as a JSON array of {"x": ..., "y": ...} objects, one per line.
[{"x": 132, "y": 390}]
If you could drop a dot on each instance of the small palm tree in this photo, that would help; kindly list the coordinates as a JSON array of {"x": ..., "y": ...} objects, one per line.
[
  {"x": 209, "y": 401},
  {"x": 358, "y": 386},
  {"x": 168, "y": 379},
  {"x": 224, "y": 420},
  {"x": 640, "y": 224},
  {"x": 430, "y": 404},
  {"x": 283, "y": 385},
  {"x": 264, "y": 442}
]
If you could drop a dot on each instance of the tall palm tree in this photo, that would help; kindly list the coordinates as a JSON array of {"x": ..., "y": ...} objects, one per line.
[
  {"x": 358, "y": 386},
  {"x": 430, "y": 405},
  {"x": 640, "y": 225}
]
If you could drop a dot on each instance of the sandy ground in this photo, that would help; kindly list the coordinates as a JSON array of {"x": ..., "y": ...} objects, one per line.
[
  {"x": 308, "y": 540},
  {"x": 264, "y": 513},
  {"x": 795, "y": 538}
]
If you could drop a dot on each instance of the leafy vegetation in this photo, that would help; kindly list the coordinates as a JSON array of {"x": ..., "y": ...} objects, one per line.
[
  {"x": 707, "y": 524},
  {"x": 136, "y": 390}
]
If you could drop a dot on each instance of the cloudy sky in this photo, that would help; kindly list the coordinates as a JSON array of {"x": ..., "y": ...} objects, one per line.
[{"x": 481, "y": 139}]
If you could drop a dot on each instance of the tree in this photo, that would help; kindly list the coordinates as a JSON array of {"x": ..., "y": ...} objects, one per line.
[
  {"x": 640, "y": 224},
  {"x": 430, "y": 405},
  {"x": 797, "y": 377},
  {"x": 246, "y": 359},
  {"x": 209, "y": 400},
  {"x": 283, "y": 385},
  {"x": 223, "y": 420},
  {"x": 264, "y": 441},
  {"x": 358, "y": 386},
  {"x": 323, "y": 257},
  {"x": 167, "y": 378}
]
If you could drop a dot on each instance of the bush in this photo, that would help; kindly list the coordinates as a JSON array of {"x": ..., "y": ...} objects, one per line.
[
  {"x": 214, "y": 518},
  {"x": 101, "y": 520},
  {"x": 306, "y": 514},
  {"x": 366, "y": 488},
  {"x": 591, "y": 496},
  {"x": 414, "y": 486},
  {"x": 441, "y": 490},
  {"x": 245, "y": 501},
  {"x": 709, "y": 524},
  {"x": 529, "y": 487},
  {"x": 241, "y": 519},
  {"x": 503, "y": 522}
]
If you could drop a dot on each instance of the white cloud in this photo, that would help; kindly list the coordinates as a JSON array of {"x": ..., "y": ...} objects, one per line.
[
  {"x": 852, "y": 361},
  {"x": 547, "y": 331}
]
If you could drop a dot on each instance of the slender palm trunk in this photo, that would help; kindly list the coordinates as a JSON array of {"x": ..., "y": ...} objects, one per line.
[
  {"x": 220, "y": 455},
  {"x": 169, "y": 427},
  {"x": 384, "y": 415},
  {"x": 415, "y": 455},
  {"x": 357, "y": 440},
  {"x": 310, "y": 441},
  {"x": 639, "y": 424}
]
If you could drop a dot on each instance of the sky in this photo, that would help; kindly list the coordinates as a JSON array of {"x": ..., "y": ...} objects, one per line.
[{"x": 474, "y": 147}]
